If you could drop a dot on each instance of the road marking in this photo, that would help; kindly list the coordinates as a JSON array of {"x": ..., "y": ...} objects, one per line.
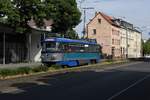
[
  {"x": 132, "y": 85},
  {"x": 12, "y": 90}
]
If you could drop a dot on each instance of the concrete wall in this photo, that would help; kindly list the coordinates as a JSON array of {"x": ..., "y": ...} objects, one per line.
[{"x": 35, "y": 46}]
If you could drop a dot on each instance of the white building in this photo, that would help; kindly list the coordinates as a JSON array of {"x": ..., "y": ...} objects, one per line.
[{"x": 131, "y": 42}]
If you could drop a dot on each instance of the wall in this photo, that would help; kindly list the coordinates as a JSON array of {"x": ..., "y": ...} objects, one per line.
[
  {"x": 103, "y": 32},
  {"x": 116, "y": 41},
  {"x": 134, "y": 42},
  {"x": 35, "y": 46}
]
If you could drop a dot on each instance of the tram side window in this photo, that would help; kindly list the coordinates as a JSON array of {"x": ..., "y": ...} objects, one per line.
[
  {"x": 71, "y": 47},
  {"x": 77, "y": 47},
  {"x": 93, "y": 48},
  {"x": 65, "y": 47}
]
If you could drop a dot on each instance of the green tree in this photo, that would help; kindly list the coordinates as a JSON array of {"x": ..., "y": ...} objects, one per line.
[
  {"x": 64, "y": 13},
  {"x": 71, "y": 34},
  {"x": 6, "y": 9},
  {"x": 146, "y": 47}
]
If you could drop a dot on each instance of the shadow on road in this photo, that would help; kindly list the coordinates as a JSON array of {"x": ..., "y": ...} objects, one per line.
[{"x": 89, "y": 85}]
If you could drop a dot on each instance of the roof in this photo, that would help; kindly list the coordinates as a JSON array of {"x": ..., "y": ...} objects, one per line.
[
  {"x": 109, "y": 19},
  {"x": 47, "y": 25},
  {"x": 68, "y": 40}
]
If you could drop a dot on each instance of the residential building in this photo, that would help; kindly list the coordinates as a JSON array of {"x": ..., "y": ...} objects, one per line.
[
  {"x": 130, "y": 40},
  {"x": 117, "y": 37},
  {"x": 107, "y": 33}
]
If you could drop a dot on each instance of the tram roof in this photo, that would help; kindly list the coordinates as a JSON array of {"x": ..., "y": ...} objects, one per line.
[{"x": 66, "y": 40}]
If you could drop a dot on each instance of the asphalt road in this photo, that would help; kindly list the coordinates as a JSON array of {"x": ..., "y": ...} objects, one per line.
[{"x": 125, "y": 82}]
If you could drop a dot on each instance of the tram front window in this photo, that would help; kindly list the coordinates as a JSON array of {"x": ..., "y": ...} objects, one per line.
[{"x": 51, "y": 46}]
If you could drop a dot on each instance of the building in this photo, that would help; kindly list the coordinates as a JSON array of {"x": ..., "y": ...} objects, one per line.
[
  {"x": 18, "y": 48},
  {"x": 107, "y": 33},
  {"x": 12, "y": 46},
  {"x": 117, "y": 37},
  {"x": 130, "y": 40}
]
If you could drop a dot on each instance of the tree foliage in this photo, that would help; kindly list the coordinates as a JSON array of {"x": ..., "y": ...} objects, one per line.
[
  {"x": 71, "y": 34},
  {"x": 64, "y": 13},
  {"x": 146, "y": 47}
]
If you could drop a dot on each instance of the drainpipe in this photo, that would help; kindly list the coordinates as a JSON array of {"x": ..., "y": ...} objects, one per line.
[
  {"x": 4, "y": 58},
  {"x": 127, "y": 43}
]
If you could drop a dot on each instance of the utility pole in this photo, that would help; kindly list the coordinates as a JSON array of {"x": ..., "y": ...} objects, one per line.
[
  {"x": 80, "y": 2},
  {"x": 84, "y": 20}
]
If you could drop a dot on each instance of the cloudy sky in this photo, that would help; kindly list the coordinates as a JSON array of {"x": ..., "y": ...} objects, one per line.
[{"x": 136, "y": 12}]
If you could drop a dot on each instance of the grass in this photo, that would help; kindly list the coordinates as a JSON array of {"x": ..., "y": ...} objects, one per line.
[
  {"x": 28, "y": 70},
  {"x": 40, "y": 69},
  {"x": 22, "y": 71}
]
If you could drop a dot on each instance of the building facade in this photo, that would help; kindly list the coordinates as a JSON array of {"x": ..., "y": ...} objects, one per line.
[
  {"x": 25, "y": 47},
  {"x": 106, "y": 32},
  {"x": 118, "y": 38}
]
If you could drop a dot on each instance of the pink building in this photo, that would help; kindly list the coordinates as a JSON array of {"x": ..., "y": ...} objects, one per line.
[{"x": 106, "y": 31}]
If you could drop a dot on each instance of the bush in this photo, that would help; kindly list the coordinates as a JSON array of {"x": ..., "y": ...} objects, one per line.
[
  {"x": 40, "y": 69},
  {"x": 10, "y": 72},
  {"x": 7, "y": 72},
  {"x": 56, "y": 66},
  {"x": 109, "y": 60},
  {"x": 23, "y": 70}
]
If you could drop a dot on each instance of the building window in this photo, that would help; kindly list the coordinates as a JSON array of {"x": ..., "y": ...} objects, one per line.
[
  {"x": 94, "y": 31},
  {"x": 113, "y": 51},
  {"x": 113, "y": 41},
  {"x": 99, "y": 21}
]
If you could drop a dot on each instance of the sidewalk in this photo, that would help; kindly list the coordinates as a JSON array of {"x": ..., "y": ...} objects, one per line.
[{"x": 17, "y": 65}]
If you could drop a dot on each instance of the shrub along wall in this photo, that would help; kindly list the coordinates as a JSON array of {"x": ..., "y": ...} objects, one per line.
[{"x": 22, "y": 71}]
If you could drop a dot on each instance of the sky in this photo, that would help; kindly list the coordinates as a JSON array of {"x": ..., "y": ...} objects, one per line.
[{"x": 136, "y": 12}]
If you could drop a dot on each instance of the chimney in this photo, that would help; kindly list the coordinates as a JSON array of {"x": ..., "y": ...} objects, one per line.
[{"x": 96, "y": 13}]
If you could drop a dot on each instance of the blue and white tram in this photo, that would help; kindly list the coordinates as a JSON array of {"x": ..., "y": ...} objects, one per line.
[{"x": 69, "y": 52}]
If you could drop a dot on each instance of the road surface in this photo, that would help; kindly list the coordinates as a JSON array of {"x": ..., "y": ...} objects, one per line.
[{"x": 124, "y": 82}]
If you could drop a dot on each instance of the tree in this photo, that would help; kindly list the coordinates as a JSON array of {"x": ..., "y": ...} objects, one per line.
[
  {"x": 64, "y": 14},
  {"x": 6, "y": 9},
  {"x": 71, "y": 34},
  {"x": 146, "y": 47}
]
